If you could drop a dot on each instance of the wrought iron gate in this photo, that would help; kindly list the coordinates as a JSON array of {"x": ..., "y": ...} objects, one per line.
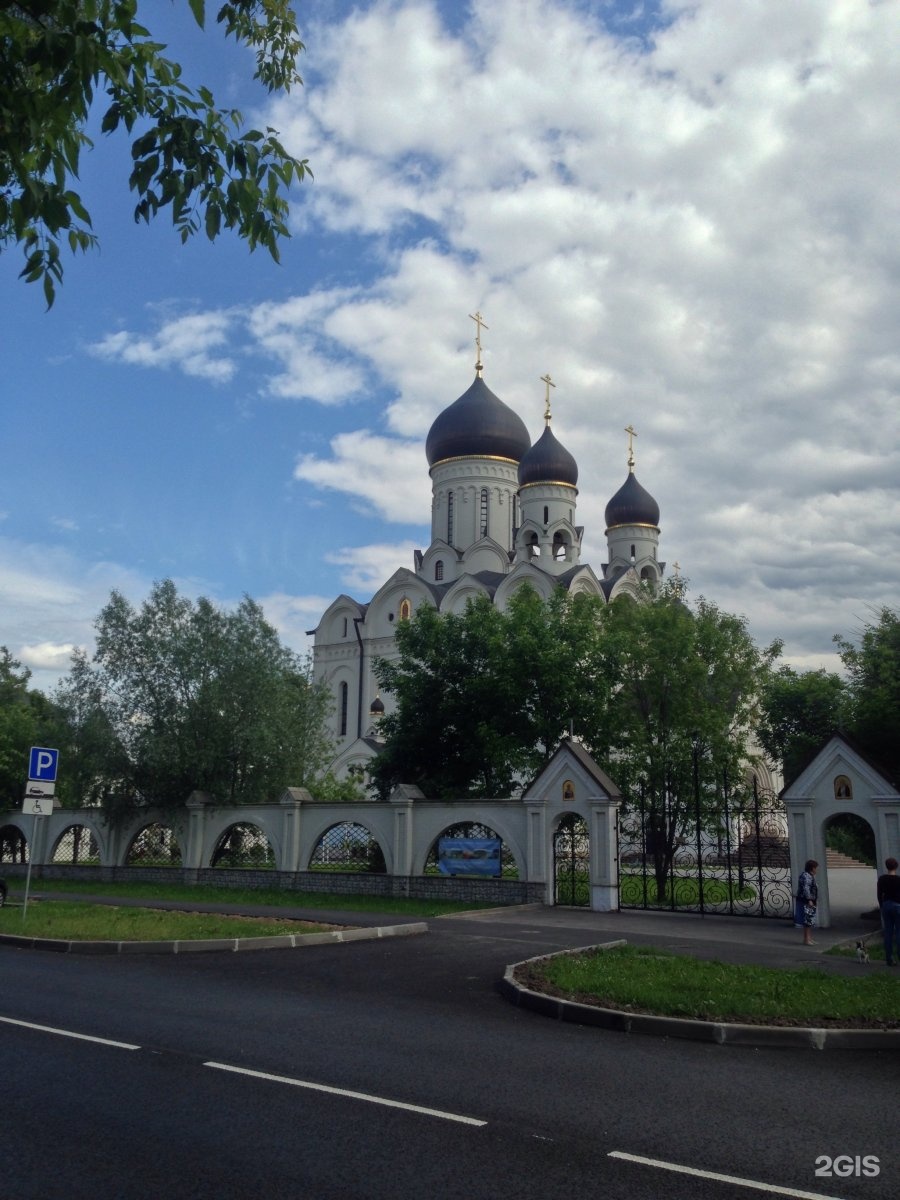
[
  {"x": 571, "y": 862},
  {"x": 728, "y": 856}
]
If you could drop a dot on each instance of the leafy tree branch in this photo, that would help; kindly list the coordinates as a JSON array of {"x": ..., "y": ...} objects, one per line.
[{"x": 59, "y": 57}]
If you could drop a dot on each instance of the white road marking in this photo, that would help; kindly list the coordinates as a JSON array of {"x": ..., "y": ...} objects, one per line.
[
  {"x": 334, "y": 1091},
  {"x": 82, "y": 1037},
  {"x": 735, "y": 1179}
]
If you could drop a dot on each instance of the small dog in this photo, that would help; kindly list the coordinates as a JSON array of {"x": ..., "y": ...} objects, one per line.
[{"x": 862, "y": 954}]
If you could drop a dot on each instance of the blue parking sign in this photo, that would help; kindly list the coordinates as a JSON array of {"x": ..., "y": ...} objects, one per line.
[{"x": 42, "y": 764}]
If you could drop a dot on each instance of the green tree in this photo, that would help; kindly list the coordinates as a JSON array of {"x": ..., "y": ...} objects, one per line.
[
  {"x": 873, "y": 670},
  {"x": 182, "y": 696},
  {"x": 57, "y": 56},
  {"x": 800, "y": 710},
  {"x": 94, "y": 760},
  {"x": 451, "y": 732},
  {"x": 683, "y": 712},
  {"x": 27, "y": 718},
  {"x": 555, "y": 673},
  {"x": 18, "y": 729}
]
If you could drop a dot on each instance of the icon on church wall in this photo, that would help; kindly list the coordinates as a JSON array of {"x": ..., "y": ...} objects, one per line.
[
  {"x": 568, "y": 790},
  {"x": 843, "y": 788},
  {"x": 405, "y": 610}
]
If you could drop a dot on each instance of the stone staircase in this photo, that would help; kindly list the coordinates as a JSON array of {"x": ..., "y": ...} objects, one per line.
[
  {"x": 765, "y": 850},
  {"x": 834, "y": 858}
]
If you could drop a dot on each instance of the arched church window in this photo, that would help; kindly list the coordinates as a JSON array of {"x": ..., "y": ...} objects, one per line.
[
  {"x": 483, "y": 518},
  {"x": 632, "y": 553},
  {"x": 449, "y": 518},
  {"x": 438, "y": 570},
  {"x": 345, "y": 627},
  {"x": 405, "y": 610},
  {"x": 344, "y": 698},
  {"x": 648, "y": 573},
  {"x": 546, "y": 514}
]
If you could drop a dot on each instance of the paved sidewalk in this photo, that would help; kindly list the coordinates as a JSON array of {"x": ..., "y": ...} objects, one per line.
[{"x": 760, "y": 941}]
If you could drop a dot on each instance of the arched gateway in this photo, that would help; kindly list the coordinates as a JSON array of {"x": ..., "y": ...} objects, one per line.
[
  {"x": 571, "y": 811},
  {"x": 840, "y": 780}
]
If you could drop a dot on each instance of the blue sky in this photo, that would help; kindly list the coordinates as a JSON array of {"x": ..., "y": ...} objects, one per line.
[{"x": 686, "y": 213}]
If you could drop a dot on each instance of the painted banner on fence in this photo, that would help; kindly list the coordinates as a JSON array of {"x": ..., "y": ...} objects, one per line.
[{"x": 469, "y": 856}]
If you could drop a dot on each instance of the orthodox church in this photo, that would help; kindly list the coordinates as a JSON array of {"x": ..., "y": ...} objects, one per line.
[{"x": 503, "y": 513}]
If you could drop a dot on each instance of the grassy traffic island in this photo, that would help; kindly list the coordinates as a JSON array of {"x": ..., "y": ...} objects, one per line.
[
  {"x": 646, "y": 980},
  {"x": 75, "y": 921},
  {"x": 56, "y": 914}
]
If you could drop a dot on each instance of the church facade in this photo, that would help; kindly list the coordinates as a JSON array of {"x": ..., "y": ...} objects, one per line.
[{"x": 503, "y": 513}]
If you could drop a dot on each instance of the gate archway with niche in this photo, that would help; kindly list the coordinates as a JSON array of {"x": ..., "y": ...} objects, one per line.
[
  {"x": 571, "y": 815},
  {"x": 840, "y": 780}
]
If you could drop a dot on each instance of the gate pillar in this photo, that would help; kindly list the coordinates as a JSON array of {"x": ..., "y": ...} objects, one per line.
[
  {"x": 403, "y": 797},
  {"x": 604, "y": 858},
  {"x": 536, "y": 849},
  {"x": 197, "y": 804},
  {"x": 292, "y": 801}
]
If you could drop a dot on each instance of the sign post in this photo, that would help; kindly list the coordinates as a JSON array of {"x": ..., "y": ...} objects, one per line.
[{"x": 39, "y": 792}]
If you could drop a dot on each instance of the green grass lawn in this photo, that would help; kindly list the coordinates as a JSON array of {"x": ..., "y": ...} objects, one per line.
[
  {"x": 271, "y": 897},
  {"x": 647, "y": 980},
  {"x": 74, "y": 921},
  {"x": 687, "y": 891}
]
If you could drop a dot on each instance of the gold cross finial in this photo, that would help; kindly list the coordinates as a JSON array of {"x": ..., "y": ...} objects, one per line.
[
  {"x": 479, "y": 325},
  {"x": 677, "y": 567},
  {"x": 629, "y": 429},
  {"x": 550, "y": 384}
]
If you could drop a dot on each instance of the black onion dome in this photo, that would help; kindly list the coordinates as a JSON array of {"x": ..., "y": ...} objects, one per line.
[
  {"x": 632, "y": 505},
  {"x": 376, "y": 708},
  {"x": 548, "y": 461},
  {"x": 478, "y": 424}
]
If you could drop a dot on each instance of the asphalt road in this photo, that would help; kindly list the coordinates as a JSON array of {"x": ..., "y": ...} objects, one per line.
[{"x": 216, "y": 1089}]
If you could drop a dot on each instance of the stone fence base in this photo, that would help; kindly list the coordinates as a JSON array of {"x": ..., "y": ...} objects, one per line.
[{"x": 344, "y": 883}]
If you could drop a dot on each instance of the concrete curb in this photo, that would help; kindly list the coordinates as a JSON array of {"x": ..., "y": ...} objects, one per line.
[
  {"x": 723, "y": 1033},
  {"x": 285, "y": 941},
  {"x": 488, "y": 912}
]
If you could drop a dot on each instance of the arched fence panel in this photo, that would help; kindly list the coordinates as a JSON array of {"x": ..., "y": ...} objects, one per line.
[
  {"x": 243, "y": 846},
  {"x": 348, "y": 846},
  {"x": 76, "y": 846},
  {"x": 14, "y": 846},
  {"x": 154, "y": 846},
  {"x": 475, "y": 831}
]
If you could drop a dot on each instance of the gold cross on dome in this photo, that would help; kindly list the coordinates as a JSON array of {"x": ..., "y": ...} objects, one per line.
[
  {"x": 479, "y": 324},
  {"x": 550, "y": 384},
  {"x": 629, "y": 429}
]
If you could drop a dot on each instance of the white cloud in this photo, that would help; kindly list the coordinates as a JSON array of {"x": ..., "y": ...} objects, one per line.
[
  {"x": 293, "y": 617},
  {"x": 700, "y": 237},
  {"x": 49, "y": 656},
  {"x": 191, "y": 342},
  {"x": 367, "y": 567},
  {"x": 49, "y": 599},
  {"x": 384, "y": 475}
]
